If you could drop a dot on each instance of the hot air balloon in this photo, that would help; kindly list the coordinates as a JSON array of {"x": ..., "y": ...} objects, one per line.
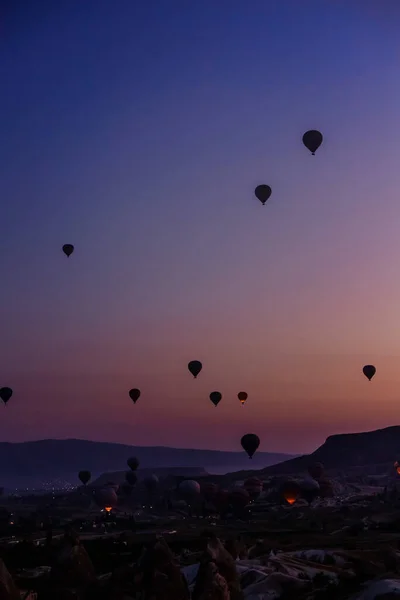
[
  {"x": 312, "y": 140},
  {"x": 215, "y": 398},
  {"x": 189, "y": 489},
  {"x": 239, "y": 498},
  {"x": 326, "y": 488},
  {"x": 290, "y": 491},
  {"x": 5, "y": 394},
  {"x": 263, "y": 192},
  {"x": 253, "y": 487},
  {"x": 209, "y": 490},
  {"x": 84, "y": 476},
  {"x": 151, "y": 483},
  {"x": 111, "y": 485},
  {"x": 221, "y": 500},
  {"x": 369, "y": 371},
  {"x": 68, "y": 249},
  {"x": 398, "y": 470},
  {"x": 250, "y": 443},
  {"x": 131, "y": 477},
  {"x": 124, "y": 490},
  {"x": 195, "y": 367},
  {"x": 132, "y": 463},
  {"x": 309, "y": 489},
  {"x": 242, "y": 397},
  {"x": 316, "y": 470},
  {"x": 134, "y": 395},
  {"x": 105, "y": 497}
]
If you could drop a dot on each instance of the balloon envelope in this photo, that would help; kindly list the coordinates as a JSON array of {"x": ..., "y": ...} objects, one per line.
[
  {"x": 134, "y": 394},
  {"x": 151, "y": 482},
  {"x": 316, "y": 470},
  {"x": 242, "y": 397},
  {"x": 215, "y": 398},
  {"x": 209, "y": 490},
  {"x": 68, "y": 249},
  {"x": 106, "y": 497},
  {"x": 221, "y": 499},
  {"x": 189, "y": 487},
  {"x": 84, "y": 476},
  {"x": 132, "y": 463},
  {"x": 239, "y": 498},
  {"x": 253, "y": 486},
  {"x": 312, "y": 140},
  {"x": 131, "y": 477},
  {"x": 195, "y": 367},
  {"x": 125, "y": 489},
  {"x": 250, "y": 443},
  {"x": 369, "y": 371},
  {"x": 5, "y": 394},
  {"x": 263, "y": 192}
]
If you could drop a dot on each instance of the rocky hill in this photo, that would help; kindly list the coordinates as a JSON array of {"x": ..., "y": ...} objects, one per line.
[
  {"x": 347, "y": 450},
  {"x": 340, "y": 453}
]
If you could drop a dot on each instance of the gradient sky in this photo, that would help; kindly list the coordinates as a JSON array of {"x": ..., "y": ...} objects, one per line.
[{"x": 137, "y": 131}]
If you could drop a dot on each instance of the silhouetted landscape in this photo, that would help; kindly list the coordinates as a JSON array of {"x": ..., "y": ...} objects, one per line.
[
  {"x": 199, "y": 249},
  {"x": 31, "y": 462},
  {"x": 346, "y": 450}
]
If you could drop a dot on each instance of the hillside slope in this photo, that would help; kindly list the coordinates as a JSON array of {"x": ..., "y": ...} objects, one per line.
[
  {"x": 347, "y": 450},
  {"x": 58, "y": 458}
]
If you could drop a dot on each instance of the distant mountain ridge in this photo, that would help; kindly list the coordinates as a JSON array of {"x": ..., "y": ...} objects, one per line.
[
  {"x": 347, "y": 450},
  {"x": 64, "y": 458}
]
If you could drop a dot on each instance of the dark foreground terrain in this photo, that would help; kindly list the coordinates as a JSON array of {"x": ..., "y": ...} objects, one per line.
[{"x": 337, "y": 549}]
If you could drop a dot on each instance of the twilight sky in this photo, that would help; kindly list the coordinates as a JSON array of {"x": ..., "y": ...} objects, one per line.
[{"x": 137, "y": 131}]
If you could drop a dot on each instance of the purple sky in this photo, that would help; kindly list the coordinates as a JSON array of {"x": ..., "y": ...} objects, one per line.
[{"x": 138, "y": 133}]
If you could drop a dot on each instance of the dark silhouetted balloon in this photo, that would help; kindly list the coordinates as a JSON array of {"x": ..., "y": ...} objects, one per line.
[
  {"x": 5, "y": 394},
  {"x": 326, "y": 489},
  {"x": 242, "y": 397},
  {"x": 68, "y": 249},
  {"x": 215, "y": 398},
  {"x": 189, "y": 488},
  {"x": 209, "y": 490},
  {"x": 263, "y": 192},
  {"x": 312, "y": 140},
  {"x": 221, "y": 500},
  {"x": 84, "y": 476},
  {"x": 132, "y": 463},
  {"x": 134, "y": 395},
  {"x": 131, "y": 477},
  {"x": 250, "y": 443},
  {"x": 125, "y": 490},
  {"x": 195, "y": 367},
  {"x": 309, "y": 489},
  {"x": 106, "y": 497},
  {"x": 253, "y": 487},
  {"x": 316, "y": 470},
  {"x": 151, "y": 483},
  {"x": 369, "y": 371},
  {"x": 111, "y": 484},
  {"x": 239, "y": 498}
]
